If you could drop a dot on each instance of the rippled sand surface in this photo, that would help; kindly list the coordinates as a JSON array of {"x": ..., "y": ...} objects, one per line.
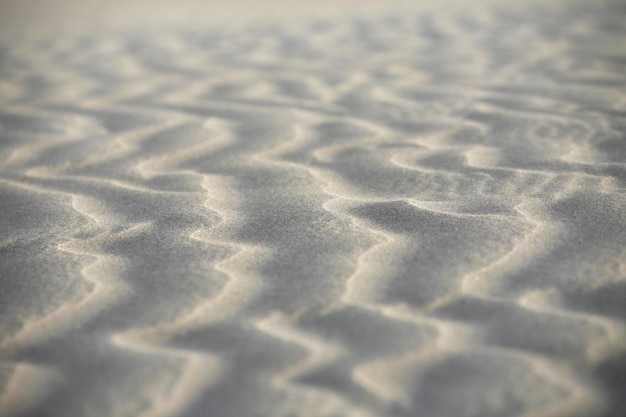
[{"x": 395, "y": 214}]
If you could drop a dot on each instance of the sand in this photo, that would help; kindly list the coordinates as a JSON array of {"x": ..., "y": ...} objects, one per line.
[{"x": 394, "y": 212}]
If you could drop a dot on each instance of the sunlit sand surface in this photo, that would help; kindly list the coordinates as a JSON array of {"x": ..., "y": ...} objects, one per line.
[{"x": 301, "y": 210}]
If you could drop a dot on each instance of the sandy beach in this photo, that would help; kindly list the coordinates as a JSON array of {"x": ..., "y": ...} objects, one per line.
[{"x": 307, "y": 211}]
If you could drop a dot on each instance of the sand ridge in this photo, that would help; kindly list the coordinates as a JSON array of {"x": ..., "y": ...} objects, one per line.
[{"x": 394, "y": 214}]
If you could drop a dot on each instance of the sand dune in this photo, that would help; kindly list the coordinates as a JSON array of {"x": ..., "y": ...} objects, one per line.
[{"x": 408, "y": 212}]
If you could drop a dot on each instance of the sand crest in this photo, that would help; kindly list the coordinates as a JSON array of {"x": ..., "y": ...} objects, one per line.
[{"x": 391, "y": 212}]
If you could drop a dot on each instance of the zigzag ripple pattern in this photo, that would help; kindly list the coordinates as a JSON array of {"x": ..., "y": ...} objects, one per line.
[{"x": 392, "y": 216}]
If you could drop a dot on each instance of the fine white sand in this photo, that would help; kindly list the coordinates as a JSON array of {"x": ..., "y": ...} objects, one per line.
[{"x": 403, "y": 211}]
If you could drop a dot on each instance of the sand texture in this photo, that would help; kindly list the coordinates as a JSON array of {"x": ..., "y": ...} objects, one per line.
[{"x": 399, "y": 214}]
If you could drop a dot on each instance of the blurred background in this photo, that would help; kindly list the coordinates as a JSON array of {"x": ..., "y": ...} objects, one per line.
[{"x": 19, "y": 17}]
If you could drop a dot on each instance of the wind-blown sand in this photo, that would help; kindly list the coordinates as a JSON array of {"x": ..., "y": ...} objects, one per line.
[{"x": 398, "y": 214}]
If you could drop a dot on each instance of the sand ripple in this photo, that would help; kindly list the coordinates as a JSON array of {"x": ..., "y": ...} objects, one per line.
[{"x": 393, "y": 215}]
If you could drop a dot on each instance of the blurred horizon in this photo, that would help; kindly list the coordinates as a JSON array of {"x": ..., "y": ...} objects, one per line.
[{"x": 19, "y": 17}]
